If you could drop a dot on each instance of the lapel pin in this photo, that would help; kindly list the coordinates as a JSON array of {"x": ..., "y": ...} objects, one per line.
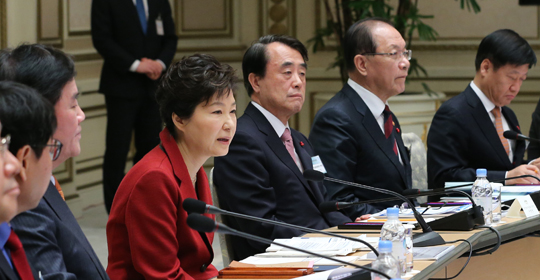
[
  {"x": 301, "y": 144},
  {"x": 518, "y": 127},
  {"x": 397, "y": 129}
]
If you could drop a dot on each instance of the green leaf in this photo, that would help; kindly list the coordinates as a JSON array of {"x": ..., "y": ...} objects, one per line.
[{"x": 427, "y": 89}]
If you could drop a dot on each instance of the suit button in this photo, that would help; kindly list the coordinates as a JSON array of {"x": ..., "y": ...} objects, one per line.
[{"x": 203, "y": 267}]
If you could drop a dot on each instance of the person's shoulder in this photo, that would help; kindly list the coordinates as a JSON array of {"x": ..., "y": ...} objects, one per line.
[{"x": 42, "y": 216}]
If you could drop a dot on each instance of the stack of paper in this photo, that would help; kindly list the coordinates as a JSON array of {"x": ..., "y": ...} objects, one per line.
[
  {"x": 327, "y": 246},
  {"x": 426, "y": 212},
  {"x": 315, "y": 260}
]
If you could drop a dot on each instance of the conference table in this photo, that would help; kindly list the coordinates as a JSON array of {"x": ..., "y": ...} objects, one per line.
[{"x": 517, "y": 257}]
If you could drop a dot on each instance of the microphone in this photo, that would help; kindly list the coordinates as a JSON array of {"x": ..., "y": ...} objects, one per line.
[
  {"x": 476, "y": 213},
  {"x": 464, "y": 220},
  {"x": 427, "y": 238},
  {"x": 204, "y": 224},
  {"x": 192, "y": 205},
  {"x": 512, "y": 135}
]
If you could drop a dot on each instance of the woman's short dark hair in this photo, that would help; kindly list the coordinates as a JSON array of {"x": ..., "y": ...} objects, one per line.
[
  {"x": 503, "y": 47},
  {"x": 187, "y": 83},
  {"x": 27, "y": 116},
  {"x": 359, "y": 40},
  {"x": 256, "y": 58},
  {"x": 41, "y": 67}
]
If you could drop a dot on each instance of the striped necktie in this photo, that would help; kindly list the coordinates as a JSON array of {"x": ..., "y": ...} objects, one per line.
[{"x": 500, "y": 130}]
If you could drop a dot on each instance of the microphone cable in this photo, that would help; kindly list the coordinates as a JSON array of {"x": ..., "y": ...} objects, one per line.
[
  {"x": 464, "y": 265},
  {"x": 472, "y": 253},
  {"x": 495, "y": 247}
]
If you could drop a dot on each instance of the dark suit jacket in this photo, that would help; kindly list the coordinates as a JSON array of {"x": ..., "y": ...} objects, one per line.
[
  {"x": 533, "y": 151},
  {"x": 463, "y": 138},
  {"x": 147, "y": 234},
  {"x": 258, "y": 177},
  {"x": 54, "y": 242},
  {"x": 353, "y": 148},
  {"x": 7, "y": 273},
  {"x": 117, "y": 35}
]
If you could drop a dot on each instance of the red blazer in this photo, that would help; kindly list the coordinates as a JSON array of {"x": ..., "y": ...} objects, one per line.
[{"x": 147, "y": 234}]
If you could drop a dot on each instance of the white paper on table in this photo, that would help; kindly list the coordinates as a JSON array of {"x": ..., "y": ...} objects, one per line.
[
  {"x": 294, "y": 254},
  {"x": 318, "y": 244},
  {"x": 317, "y": 261},
  {"x": 421, "y": 253}
]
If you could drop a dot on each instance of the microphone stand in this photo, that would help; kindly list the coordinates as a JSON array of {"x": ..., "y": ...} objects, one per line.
[
  {"x": 194, "y": 206},
  {"x": 205, "y": 224},
  {"x": 427, "y": 238},
  {"x": 475, "y": 216}
]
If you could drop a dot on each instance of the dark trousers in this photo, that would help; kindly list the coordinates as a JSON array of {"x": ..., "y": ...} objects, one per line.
[{"x": 125, "y": 116}]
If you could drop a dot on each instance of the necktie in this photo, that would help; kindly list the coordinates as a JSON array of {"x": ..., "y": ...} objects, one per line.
[
  {"x": 498, "y": 125},
  {"x": 142, "y": 15},
  {"x": 18, "y": 257},
  {"x": 58, "y": 188},
  {"x": 389, "y": 127},
  {"x": 287, "y": 141}
]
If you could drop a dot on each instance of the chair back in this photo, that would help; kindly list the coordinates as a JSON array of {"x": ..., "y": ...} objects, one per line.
[
  {"x": 418, "y": 158},
  {"x": 225, "y": 242}
]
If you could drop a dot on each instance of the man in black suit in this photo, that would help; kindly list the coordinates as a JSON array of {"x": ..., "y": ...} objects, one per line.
[
  {"x": 137, "y": 41},
  {"x": 29, "y": 121},
  {"x": 52, "y": 238},
  {"x": 262, "y": 173},
  {"x": 533, "y": 151},
  {"x": 466, "y": 132},
  {"x": 355, "y": 133}
]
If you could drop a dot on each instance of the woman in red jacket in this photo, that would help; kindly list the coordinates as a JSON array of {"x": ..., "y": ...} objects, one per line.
[{"x": 147, "y": 234}]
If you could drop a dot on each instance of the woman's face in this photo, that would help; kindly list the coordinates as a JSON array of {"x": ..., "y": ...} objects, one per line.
[{"x": 210, "y": 129}]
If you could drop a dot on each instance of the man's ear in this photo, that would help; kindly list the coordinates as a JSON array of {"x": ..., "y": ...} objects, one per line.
[
  {"x": 361, "y": 64},
  {"x": 254, "y": 81},
  {"x": 485, "y": 67},
  {"x": 23, "y": 156}
]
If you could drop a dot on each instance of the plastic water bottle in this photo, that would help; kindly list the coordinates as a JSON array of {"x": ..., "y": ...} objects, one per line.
[
  {"x": 409, "y": 262},
  {"x": 394, "y": 231},
  {"x": 385, "y": 262},
  {"x": 481, "y": 193}
]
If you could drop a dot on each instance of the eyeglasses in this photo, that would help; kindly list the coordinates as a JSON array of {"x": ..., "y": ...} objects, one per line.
[
  {"x": 4, "y": 144},
  {"x": 56, "y": 149},
  {"x": 395, "y": 55}
]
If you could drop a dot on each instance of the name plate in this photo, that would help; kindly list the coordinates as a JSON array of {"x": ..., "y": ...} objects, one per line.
[{"x": 526, "y": 203}]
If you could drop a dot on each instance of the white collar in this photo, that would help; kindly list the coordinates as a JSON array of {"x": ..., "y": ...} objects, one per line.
[
  {"x": 273, "y": 120},
  {"x": 488, "y": 105},
  {"x": 373, "y": 102}
]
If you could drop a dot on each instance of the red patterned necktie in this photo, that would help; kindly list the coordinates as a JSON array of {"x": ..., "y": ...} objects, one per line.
[
  {"x": 18, "y": 257},
  {"x": 389, "y": 126}
]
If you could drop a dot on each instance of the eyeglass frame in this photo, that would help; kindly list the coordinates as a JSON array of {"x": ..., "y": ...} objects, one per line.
[
  {"x": 4, "y": 144},
  {"x": 407, "y": 54},
  {"x": 56, "y": 149}
]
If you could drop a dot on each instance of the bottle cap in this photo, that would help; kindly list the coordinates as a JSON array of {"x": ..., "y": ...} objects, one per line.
[
  {"x": 385, "y": 246},
  {"x": 392, "y": 211},
  {"x": 481, "y": 172}
]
